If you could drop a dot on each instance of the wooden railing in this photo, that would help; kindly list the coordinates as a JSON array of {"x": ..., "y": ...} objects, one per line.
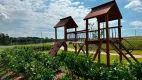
[{"x": 93, "y": 34}]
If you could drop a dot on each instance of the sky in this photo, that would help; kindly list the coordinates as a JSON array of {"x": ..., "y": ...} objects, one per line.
[{"x": 24, "y": 18}]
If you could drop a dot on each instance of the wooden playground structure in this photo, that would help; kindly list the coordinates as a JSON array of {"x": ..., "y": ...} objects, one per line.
[{"x": 85, "y": 38}]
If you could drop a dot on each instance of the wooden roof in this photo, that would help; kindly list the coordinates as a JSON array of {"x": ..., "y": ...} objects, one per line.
[
  {"x": 67, "y": 22},
  {"x": 99, "y": 12}
]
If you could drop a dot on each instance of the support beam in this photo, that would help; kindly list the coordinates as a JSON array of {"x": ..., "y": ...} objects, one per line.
[
  {"x": 65, "y": 38},
  {"x": 65, "y": 46},
  {"x": 119, "y": 36},
  {"x": 107, "y": 41},
  {"x": 99, "y": 55},
  {"x": 81, "y": 48},
  {"x": 75, "y": 34},
  {"x": 56, "y": 34},
  {"x": 75, "y": 46},
  {"x": 65, "y": 33},
  {"x": 98, "y": 30},
  {"x": 87, "y": 50}
]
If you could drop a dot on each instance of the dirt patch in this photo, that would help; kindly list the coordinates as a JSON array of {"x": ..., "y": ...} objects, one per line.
[
  {"x": 13, "y": 76},
  {"x": 59, "y": 75}
]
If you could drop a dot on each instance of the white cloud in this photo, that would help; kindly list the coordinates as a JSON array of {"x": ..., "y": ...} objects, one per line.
[
  {"x": 137, "y": 24},
  {"x": 136, "y": 5},
  {"x": 31, "y": 17},
  {"x": 3, "y": 16}
]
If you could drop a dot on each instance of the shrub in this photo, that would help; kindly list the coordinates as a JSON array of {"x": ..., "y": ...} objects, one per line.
[
  {"x": 35, "y": 65},
  {"x": 41, "y": 66},
  {"x": 79, "y": 65},
  {"x": 136, "y": 70}
]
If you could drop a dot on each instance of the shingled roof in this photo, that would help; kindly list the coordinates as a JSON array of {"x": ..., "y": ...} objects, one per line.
[
  {"x": 99, "y": 12},
  {"x": 68, "y": 22}
]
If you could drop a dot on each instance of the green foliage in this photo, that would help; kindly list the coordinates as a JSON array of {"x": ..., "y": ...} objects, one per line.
[
  {"x": 30, "y": 40},
  {"x": 66, "y": 77},
  {"x": 41, "y": 66},
  {"x": 39, "y": 48},
  {"x": 77, "y": 64},
  {"x": 83, "y": 67},
  {"x": 116, "y": 72},
  {"x": 136, "y": 69},
  {"x": 4, "y": 39},
  {"x": 34, "y": 64}
]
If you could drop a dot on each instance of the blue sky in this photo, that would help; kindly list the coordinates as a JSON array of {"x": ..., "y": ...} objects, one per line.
[{"x": 31, "y": 17}]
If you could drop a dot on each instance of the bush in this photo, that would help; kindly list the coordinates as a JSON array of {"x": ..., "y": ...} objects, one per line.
[
  {"x": 116, "y": 72},
  {"x": 35, "y": 65},
  {"x": 39, "y": 48},
  {"x": 83, "y": 67},
  {"x": 136, "y": 70},
  {"x": 41, "y": 66}
]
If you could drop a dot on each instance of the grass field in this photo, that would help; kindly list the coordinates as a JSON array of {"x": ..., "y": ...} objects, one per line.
[{"x": 11, "y": 46}]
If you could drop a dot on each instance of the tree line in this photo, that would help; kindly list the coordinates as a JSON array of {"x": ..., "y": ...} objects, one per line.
[{"x": 5, "y": 39}]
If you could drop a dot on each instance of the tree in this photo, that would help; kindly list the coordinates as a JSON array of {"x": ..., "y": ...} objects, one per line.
[{"x": 4, "y": 39}]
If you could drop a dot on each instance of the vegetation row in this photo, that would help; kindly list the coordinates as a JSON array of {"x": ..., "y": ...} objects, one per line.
[{"x": 41, "y": 66}]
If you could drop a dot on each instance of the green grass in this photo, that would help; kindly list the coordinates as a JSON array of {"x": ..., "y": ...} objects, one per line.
[
  {"x": 48, "y": 43},
  {"x": 112, "y": 58},
  {"x": 137, "y": 52},
  {"x": 71, "y": 46},
  {"x": 137, "y": 44},
  {"x": 11, "y": 46}
]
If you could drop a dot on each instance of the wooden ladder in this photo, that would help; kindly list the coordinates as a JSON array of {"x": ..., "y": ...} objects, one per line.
[{"x": 119, "y": 46}]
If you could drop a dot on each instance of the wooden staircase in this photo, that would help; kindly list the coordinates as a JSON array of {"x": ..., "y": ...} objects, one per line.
[
  {"x": 122, "y": 50},
  {"x": 54, "y": 49}
]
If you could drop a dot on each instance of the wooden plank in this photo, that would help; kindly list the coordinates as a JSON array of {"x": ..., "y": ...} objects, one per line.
[
  {"x": 81, "y": 48},
  {"x": 119, "y": 36},
  {"x": 99, "y": 40},
  {"x": 107, "y": 41},
  {"x": 87, "y": 50},
  {"x": 56, "y": 34}
]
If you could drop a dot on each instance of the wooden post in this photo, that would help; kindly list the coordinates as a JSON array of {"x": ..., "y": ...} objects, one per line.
[
  {"x": 99, "y": 55},
  {"x": 56, "y": 34},
  {"x": 65, "y": 33},
  {"x": 75, "y": 35},
  {"x": 65, "y": 38},
  {"x": 75, "y": 40},
  {"x": 107, "y": 40},
  {"x": 87, "y": 50},
  {"x": 119, "y": 36}
]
